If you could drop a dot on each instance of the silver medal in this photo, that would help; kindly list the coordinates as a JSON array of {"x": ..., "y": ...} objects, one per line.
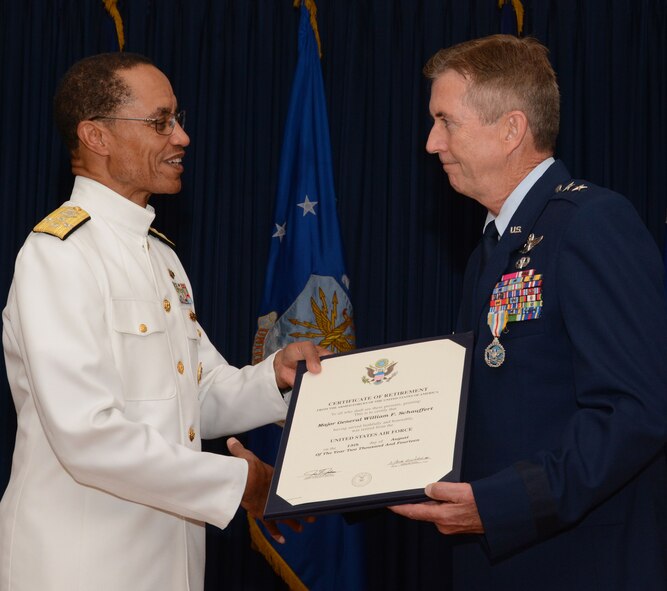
[{"x": 494, "y": 354}]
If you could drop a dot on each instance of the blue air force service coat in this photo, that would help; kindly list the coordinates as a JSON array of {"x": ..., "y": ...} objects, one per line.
[
  {"x": 565, "y": 440},
  {"x": 115, "y": 383}
]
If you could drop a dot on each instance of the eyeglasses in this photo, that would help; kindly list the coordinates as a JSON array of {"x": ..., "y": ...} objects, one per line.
[{"x": 163, "y": 125}]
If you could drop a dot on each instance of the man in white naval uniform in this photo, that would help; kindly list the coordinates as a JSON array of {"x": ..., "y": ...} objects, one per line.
[{"x": 114, "y": 380}]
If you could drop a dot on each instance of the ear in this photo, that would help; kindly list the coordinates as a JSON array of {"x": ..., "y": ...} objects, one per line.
[
  {"x": 515, "y": 129},
  {"x": 93, "y": 136}
]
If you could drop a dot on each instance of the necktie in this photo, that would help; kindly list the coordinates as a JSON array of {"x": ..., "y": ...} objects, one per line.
[{"x": 489, "y": 242}]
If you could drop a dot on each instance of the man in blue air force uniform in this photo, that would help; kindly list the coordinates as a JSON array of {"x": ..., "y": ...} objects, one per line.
[
  {"x": 114, "y": 380},
  {"x": 564, "y": 457}
]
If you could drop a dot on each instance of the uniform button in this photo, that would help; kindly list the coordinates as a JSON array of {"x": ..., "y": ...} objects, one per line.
[
  {"x": 166, "y": 304},
  {"x": 199, "y": 333},
  {"x": 191, "y": 434},
  {"x": 143, "y": 328},
  {"x": 193, "y": 316},
  {"x": 180, "y": 367},
  {"x": 200, "y": 370},
  {"x": 171, "y": 273}
]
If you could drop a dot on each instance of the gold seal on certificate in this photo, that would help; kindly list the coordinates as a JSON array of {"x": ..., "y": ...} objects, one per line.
[{"x": 373, "y": 428}]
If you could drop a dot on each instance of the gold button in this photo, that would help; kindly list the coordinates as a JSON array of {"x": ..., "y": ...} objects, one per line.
[
  {"x": 191, "y": 434},
  {"x": 180, "y": 367},
  {"x": 171, "y": 273},
  {"x": 200, "y": 369},
  {"x": 199, "y": 333},
  {"x": 143, "y": 328},
  {"x": 166, "y": 304},
  {"x": 193, "y": 316}
]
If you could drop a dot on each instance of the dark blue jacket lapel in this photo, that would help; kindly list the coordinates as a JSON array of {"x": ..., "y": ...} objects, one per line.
[{"x": 525, "y": 217}]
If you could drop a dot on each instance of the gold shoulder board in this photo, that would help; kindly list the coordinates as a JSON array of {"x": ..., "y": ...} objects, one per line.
[
  {"x": 63, "y": 221},
  {"x": 161, "y": 237}
]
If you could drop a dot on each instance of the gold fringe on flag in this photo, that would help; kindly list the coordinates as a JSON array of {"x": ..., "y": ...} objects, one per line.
[
  {"x": 281, "y": 568},
  {"x": 312, "y": 9},
  {"x": 112, "y": 9},
  {"x": 518, "y": 9}
]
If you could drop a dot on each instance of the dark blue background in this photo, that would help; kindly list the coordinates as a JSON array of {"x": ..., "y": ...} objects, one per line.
[{"x": 406, "y": 233}]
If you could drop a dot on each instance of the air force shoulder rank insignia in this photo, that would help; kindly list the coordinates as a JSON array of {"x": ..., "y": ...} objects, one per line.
[
  {"x": 571, "y": 186},
  {"x": 63, "y": 221}
]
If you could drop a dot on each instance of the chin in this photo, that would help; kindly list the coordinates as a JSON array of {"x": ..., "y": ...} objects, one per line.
[{"x": 170, "y": 189}]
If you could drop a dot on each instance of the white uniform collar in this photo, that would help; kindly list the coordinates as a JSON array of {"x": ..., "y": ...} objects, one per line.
[
  {"x": 516, "y": 197},
  {"x": 98, "y": 199}
]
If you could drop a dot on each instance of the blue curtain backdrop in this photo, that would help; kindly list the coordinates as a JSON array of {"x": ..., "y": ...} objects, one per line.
[{"x": 406, "y": 233}]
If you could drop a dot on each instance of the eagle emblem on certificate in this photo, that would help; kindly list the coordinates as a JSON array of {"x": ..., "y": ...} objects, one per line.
[{"x": 379, "y": 372}]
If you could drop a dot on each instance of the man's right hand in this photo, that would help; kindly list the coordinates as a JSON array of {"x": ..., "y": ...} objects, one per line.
[{"x": 257, "y": 489}]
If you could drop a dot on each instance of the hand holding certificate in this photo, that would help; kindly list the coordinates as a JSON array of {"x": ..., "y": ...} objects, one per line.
[{"x": 373, "y": 428}]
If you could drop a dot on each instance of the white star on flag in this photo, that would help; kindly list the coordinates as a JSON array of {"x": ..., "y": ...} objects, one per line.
[
  {"x": 280, "y": 231},
  {"x": 308, "y": 206}
]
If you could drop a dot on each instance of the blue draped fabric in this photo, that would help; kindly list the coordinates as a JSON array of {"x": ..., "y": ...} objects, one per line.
[
  {"x": 508, "y": 19},
  {"x": 407, "y": 235},
  {"x": 306, "y": 298},
  {"x": 664, "y": 254},
  {"x": 306, "y": 294}
]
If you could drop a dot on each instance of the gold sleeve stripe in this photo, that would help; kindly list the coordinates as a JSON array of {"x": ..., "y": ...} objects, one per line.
[{"x": 63, "y": 221}]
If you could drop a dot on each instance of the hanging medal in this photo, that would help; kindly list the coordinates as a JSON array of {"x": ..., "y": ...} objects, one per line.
[
  {"x": 494, "y": 354},
  {"x": 515, "y": 298}
]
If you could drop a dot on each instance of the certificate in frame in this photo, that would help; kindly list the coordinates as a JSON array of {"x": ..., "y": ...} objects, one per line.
[{"x": 373, "y": 428}]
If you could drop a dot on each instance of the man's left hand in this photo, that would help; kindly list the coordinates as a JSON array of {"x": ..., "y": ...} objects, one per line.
[
  {"x": 256, "y": 490},
  {"x": 284, "y": 363},
  {"x": 453, "y": 509}
]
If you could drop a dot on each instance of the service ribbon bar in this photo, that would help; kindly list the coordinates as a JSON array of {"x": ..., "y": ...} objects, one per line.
[{"x": 519, "y": 294}]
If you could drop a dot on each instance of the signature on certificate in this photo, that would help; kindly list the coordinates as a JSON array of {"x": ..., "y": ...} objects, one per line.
[
  {"x": 319, "y": 473},
  {"x": 408, "y": 461}
]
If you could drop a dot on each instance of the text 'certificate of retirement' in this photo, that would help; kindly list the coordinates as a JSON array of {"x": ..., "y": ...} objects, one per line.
[{"x": 373, "y": 428}]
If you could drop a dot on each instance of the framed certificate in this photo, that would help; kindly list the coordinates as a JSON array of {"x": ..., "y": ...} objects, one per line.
[{"x": 373, "y": 428}]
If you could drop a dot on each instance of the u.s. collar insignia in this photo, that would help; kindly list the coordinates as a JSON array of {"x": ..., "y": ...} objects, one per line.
[{"x": 531, "y": 243}]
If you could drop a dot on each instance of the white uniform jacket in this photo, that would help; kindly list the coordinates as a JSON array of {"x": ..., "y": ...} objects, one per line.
[{"x": 115, "y": 383}]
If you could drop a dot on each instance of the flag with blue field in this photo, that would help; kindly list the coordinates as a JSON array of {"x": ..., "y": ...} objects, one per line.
[{"x": 306, "y": 297}]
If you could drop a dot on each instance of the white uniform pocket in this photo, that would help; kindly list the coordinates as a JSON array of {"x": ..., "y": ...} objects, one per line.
[{"x": 142, "y": 348}]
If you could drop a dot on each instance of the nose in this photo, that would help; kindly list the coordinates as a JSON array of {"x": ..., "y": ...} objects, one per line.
[
  {"x": 179, "y": 137},
  {"x": 434, "y": 141}
]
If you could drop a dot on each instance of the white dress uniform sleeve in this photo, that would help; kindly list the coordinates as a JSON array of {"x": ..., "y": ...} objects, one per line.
[{"x": 232, "y": 399}]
